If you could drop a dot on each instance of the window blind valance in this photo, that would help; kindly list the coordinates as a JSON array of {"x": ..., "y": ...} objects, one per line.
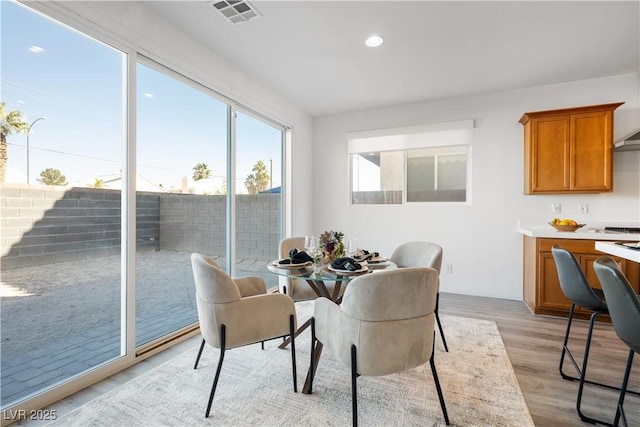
[{"x": 411, "y": 137}]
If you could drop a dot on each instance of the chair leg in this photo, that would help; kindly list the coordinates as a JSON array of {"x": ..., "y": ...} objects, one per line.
[
  {"x": 444, "y": 341},
  {"x": 215, "y": 380},
  {"x": 567, "y": 352},
  {"x": 313, "y": 345},
  {"x": 443, "y": 406},
  {"x": 583, "y": 374},
  {"x": 354, "y": 392},
  {"x": 199, "y": 354},
  {"x": 292, "y": 332},
  {"x": 623, "y": 390},
  {"x": 565, "y": 349},
  {"x": 284, "y": 291}
]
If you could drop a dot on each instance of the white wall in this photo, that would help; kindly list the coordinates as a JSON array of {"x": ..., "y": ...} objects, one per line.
[
  {"x": 480, "y": 240},
  {"x": 130, "y": 25}
]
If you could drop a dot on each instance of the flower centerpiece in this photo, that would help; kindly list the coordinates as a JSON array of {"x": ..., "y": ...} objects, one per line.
[{"x": 331, "y": 246}]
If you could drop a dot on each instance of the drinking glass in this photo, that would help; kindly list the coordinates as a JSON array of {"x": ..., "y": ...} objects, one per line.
[
  {"x": 317, "y": 264},
  {"x": 311, "y": 245},
  {"x": 352, "y": 247}
]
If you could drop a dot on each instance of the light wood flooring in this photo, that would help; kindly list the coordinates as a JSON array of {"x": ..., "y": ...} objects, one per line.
[{"x": 533, "y": 344}]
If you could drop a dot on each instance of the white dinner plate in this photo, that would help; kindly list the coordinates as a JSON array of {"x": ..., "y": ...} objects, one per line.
[
  {"x": 377, "y": 260},
  {"x": 363, "y": 269},
  {"x": 300, "y": 265}
]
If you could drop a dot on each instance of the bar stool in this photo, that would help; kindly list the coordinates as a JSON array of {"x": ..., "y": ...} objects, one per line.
[
  {"x": 577, "y": 289},
  {"x": 624, "y": 309}
]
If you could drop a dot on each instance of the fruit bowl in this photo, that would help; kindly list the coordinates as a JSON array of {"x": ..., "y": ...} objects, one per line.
[{"x": 567, "y": 227}]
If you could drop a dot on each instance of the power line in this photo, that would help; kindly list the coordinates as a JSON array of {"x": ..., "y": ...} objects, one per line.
[{"x": 84, "y": 156}]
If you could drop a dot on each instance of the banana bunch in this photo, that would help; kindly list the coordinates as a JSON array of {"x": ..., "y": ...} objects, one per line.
[{"x": 566, "y": 221}]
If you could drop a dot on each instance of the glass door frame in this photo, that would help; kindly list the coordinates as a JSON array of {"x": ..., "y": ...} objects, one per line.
[
  {"x": 129, "y": 353},
  {"x": 285, "y": 131}
]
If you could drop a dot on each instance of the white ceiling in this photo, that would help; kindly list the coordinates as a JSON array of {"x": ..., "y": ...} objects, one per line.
[{"x": 313, "y": 52}]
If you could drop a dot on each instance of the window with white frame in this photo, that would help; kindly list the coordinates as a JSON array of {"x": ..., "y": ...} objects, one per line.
[{"x": 429, "y": 163}]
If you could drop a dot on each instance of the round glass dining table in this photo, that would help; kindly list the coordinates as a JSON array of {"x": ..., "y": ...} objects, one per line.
[{"x": 317, "y": 278}]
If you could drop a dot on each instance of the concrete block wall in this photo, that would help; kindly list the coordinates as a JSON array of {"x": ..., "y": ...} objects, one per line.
[
  {"x": 197, "y": 223},
  {"x": 48, "y": 224},
  {"x": 258, "y": 226}
]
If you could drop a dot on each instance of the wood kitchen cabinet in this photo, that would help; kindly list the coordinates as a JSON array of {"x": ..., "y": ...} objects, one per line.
[
  {"x": 569, "y": 150},
  {"x": 542, "y": 292}
]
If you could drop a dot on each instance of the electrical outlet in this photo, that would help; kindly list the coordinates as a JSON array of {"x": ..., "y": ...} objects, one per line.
[
  {"x": 449, "y": 268},
  {"x": 556, "y": 208},
  {"x": 584, "y": 208}
]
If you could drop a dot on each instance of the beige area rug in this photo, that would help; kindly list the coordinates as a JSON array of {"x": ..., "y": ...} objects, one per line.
[{"x": 255, "y": 388}]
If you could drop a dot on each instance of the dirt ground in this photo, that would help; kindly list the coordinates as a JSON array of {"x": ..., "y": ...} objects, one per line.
[{"x": 58, "y": 302}]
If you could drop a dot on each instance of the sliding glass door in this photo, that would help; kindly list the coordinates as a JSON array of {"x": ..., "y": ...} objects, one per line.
[
  {"x": 258, "y": 194},
  {"x": 180, "y": 196},
  {"x": 105, "y": 200},
  {"x": 63, "y": 126}
]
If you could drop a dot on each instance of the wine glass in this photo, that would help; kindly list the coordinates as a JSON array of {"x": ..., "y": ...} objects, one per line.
[
  {"x": 314, "y": 252},
  {"x": 310, "y": 244},
  {"x": 352, "y": 247}
]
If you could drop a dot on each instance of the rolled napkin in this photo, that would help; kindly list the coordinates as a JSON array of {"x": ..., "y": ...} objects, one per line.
[
  {"x": 296, "y": 257},
  {"x": 364, "y": 255},
  {"x": 346, "y": 263}
]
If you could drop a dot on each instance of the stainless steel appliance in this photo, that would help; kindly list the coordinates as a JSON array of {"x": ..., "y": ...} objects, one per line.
[{"x": 622, "y": 230}]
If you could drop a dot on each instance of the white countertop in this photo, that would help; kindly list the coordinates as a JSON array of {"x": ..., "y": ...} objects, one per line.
[
  {"x": 618, "y": 250},
  {"x": 586, "y": 233}
]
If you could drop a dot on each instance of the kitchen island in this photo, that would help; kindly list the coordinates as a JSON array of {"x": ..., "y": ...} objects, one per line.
[
  {"x": 612, "y": 248},
  {"x": 541, "y": 288}
]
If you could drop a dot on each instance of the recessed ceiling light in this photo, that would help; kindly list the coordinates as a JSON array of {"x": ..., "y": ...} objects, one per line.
[{"x": 374, "y": 41}]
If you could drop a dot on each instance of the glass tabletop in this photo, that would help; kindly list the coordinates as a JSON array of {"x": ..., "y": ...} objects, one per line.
[{"x": 306, "y": 271}]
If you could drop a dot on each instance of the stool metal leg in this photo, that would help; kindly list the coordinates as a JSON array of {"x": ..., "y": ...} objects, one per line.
[
  {"x": 567, "y": 352},
  {"x": 623, "y": 390},
  {"x": 583, "y": 374}
]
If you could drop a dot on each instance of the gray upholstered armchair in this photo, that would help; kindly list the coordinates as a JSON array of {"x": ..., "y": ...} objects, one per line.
[
  {"x": 237, "y": 312},
  {"x": 380, "y": 326},
  {"x": 422, "y": 254}
]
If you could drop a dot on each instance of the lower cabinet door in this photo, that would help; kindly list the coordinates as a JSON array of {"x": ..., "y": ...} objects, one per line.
[{"x": 550, "y": 293}]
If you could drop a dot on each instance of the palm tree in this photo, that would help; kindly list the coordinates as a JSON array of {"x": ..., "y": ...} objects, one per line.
[
  {"x": 259, "y": 180},
  {"x": 9, "y": 123},
  {"x": 51, "y": 176},
  {"x": 201, "y": 171},
  {"x": 250, "y": 184}
]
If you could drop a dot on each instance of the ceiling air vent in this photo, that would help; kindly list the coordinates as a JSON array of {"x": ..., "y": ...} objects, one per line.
[{"x": 236, "y": 11}]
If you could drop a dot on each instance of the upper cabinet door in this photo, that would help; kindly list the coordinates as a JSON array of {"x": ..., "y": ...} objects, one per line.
[
  {"x": 569, "y": 150},
  {"x": 591, "y": 151},
  {"x": 549, "y": 154}
]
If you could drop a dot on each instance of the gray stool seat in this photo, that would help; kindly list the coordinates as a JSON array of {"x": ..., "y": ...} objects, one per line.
[
  {"x": 579, "y": 292},
  {"x": 624, "y": 309}
]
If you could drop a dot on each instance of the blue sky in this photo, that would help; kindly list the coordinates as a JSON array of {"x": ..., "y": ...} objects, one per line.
[{"x": 49, "y": 70}]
